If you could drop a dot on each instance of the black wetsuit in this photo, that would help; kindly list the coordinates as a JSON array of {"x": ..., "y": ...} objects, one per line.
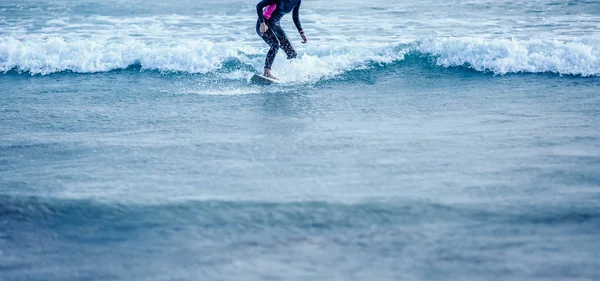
[{"x": 275, "y": 36}]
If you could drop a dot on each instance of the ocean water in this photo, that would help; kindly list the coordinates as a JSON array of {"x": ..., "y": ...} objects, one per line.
[{"x": 411, "y": 140}]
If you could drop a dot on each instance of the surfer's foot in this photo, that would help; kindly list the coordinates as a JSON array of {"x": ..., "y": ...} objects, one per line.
[{"x": 268, "y": 74}]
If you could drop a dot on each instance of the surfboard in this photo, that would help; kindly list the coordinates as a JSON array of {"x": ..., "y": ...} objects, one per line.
[{"x": 262, "y": 80}]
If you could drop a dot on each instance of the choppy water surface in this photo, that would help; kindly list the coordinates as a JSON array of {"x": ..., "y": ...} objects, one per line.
[{"x": 412, "y": 140}]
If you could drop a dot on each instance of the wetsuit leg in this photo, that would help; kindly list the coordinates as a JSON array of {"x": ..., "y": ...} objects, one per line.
[
  {"x": 286, "y": 46},
  {"x": 272, "y": 41}
]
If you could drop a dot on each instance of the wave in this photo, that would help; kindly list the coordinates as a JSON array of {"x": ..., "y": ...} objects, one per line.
[
  {"x": 211, "y": 212},
  {"x": 513, "y": 56},
  {"x": 53, "y": 55},
  {"x": 308, "y": 214},
  {"x": 497, "y": 56}
]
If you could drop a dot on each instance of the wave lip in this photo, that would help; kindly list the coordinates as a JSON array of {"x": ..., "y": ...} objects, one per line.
[
  {"x": 502, "y": 56},
  {"x": 499, "y": 56},
  {"x": 52, "y": 55}
]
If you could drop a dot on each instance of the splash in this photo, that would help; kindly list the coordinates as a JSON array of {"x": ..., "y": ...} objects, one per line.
[
  {"x": 499, "y": 56},
  {"x": 511, "y": 56}
]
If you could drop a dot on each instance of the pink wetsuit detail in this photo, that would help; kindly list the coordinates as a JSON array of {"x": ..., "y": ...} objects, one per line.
[{"x": 269, "y": 11}]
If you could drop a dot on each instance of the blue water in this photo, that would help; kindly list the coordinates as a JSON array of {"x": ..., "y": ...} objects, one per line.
[{"x": 410, "y": 141}]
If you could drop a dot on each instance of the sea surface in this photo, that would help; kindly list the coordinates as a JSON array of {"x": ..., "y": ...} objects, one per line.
[{"x": 410, "y": 140}]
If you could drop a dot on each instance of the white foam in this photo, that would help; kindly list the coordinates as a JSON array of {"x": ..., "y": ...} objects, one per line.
[
  {"x": 57, "y": 21},
  {"x": 44, "y": 56},
  {"x": 322, "y": 65},
  {"x": 502, "y": 56},
  {"x": 52, "y": 55}
]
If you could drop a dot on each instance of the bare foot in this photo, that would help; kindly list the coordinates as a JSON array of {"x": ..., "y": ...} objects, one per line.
[{"x": 268, "y": 74}]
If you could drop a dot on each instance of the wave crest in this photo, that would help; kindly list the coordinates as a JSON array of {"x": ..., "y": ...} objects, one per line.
[
  {"x": 511, "y": 56},
  {"x": 499, "y": 56},
  {"x": 88, "y": 56}
]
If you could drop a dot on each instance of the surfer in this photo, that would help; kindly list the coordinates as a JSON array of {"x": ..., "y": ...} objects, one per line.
[{"x": 268, "y": 28}]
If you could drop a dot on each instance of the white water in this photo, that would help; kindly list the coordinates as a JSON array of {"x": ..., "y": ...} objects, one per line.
[
  {"x": 500, "y": 56},
  {"x": 500, "y": 37}
]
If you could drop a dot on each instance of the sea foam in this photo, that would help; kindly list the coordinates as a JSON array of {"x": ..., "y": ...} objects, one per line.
[
  {"x": 498, "y": 56},
  {"x": 512, "y": 56}
]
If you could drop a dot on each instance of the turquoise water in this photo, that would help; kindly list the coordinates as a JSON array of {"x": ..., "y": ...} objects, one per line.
[{"x": 410, "y": 141}]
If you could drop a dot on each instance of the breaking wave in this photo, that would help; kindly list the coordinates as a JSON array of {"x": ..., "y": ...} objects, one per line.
[{"x": 498, "y": 56}]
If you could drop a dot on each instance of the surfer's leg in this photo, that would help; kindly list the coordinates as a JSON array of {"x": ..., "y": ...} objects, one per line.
[
  {"x": 271, "y": 40},
  {"x": 283, "y": 41}
]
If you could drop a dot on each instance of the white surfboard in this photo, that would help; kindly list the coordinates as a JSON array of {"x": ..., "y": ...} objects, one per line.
[{"x": 262, "y": 80}]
